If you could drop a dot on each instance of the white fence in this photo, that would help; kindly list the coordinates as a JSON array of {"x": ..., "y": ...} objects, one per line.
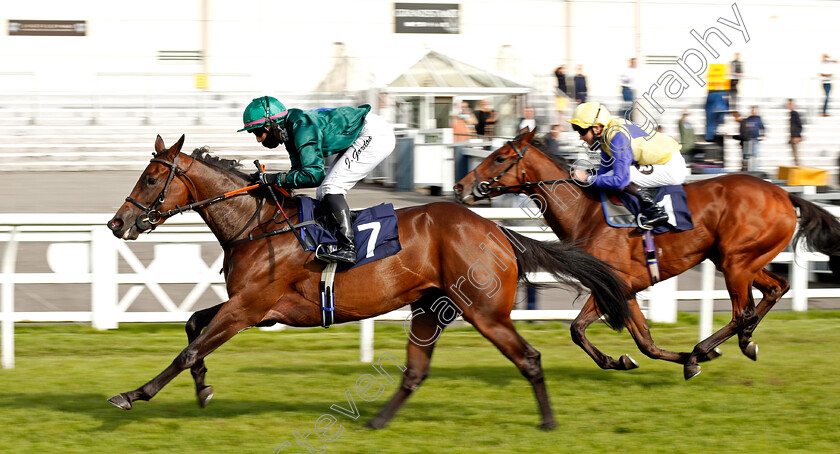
[{"x": 81, "y": 250}]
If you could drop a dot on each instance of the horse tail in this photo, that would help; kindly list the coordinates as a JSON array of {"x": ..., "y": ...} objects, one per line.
[
  {"x": 568, "y": 263},
  {"x": 820, "y": 231}
]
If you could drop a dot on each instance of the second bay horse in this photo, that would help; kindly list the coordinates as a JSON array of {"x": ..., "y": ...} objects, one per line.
[{"x": 740, "y": 223}]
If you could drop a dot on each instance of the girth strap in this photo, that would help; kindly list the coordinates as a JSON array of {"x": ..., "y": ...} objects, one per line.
[
  {"x": 651, "y": 257},
  {"x": 328, "y": 295}
]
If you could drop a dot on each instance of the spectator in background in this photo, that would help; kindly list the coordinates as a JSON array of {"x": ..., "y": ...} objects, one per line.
[
  {"x": 561, "y": 81},
  {"x": 740, "y": 136},
  {"x": 795, "y": 131},
  {"x": 687, "y": 136},
  {"x": 551, "y": 141},
  {"x": 580, "y": 85},
  {"x": 826, "y": 73},
  {"x": 628, "y": 84},
  {"x": 752, "y": 130},
  {"x": 486, "y": 119},
  {"x": 463, "y": 123},
  {"x": 716, "y": 107},
  {"x": 529, "y": 120},
  {"x": 736, "y": 72}
]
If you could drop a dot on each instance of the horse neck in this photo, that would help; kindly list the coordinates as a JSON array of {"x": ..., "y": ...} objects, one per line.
[
  {"x": 233, "y": 217},
  {"x": 564, "y": 204}
]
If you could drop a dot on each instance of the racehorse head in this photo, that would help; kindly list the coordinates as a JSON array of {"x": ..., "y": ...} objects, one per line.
[
  {"x": 504, "y": 167},
  {"x": 158, "y": 189}
]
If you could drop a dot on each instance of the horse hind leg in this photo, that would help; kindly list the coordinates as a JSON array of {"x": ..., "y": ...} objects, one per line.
[
  {"x": 772, "y": 287},
  {"x": 425, "y": 330},
  {"x": 743, "y": 316},
  {"x": 197, "y": 322},
  {"x": 526, "y": 358}
]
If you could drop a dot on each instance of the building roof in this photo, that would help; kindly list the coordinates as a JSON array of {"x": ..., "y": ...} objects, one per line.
[{"x": 436, "y": 70}]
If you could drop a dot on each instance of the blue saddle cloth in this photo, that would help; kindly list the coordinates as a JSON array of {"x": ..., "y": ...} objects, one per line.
[
  {"x": 671, "y": 198},
  {"x": 375, "y": 232}
]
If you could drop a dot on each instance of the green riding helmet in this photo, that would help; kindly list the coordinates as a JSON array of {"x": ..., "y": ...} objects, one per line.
[{"x": 261, "y": 112}]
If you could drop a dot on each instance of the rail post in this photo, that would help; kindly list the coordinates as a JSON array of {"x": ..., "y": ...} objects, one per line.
[
  {"x": 8, "y": 301},
  {"x": 104, "y": 287}
]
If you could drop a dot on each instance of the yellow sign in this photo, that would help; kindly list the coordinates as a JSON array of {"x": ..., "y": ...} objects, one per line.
[
  {"x": 201, "y": 81},
  {"x": 718, "y": 77}
]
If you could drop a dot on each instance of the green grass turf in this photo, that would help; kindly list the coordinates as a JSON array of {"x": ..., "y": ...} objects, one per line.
[{"x": 270, "y": 385}]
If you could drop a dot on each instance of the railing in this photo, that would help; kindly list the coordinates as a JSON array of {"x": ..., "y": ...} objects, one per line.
[{"x": 83, "y": 251}]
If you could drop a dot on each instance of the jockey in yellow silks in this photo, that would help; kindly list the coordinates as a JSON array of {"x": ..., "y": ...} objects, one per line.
[{"x": 631, "y": 158}]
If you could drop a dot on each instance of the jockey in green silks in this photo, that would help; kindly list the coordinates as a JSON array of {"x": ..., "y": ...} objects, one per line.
[{"x": 360, "y": 138}]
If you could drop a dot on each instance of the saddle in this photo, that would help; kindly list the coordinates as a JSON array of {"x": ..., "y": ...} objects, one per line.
[
  {"x": 622, "y": 209},
  {"x": 376, "y": 237},
  {"x": 375, "y": 228}
]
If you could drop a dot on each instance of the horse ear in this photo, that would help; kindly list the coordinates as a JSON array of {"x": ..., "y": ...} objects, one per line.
[
  {"x": 180, "y": 143},
  {"x": 523, "y": 131},
  {"x": 159, "y": 146},
  {"x": 531, "y": 135}
]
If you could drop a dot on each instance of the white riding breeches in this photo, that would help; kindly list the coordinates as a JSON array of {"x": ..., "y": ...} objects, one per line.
[
  {"x": 654, "y": 176},
  {"x": 375, "y": 142}
]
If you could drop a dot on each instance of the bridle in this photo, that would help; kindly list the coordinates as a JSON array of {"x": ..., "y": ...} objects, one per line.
[
  {"x": 482, "y": 189},
  {"x": 153, "y": 215}
]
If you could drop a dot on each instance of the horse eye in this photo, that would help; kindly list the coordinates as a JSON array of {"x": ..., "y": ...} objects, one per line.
[
  {"x": 501, "y": 159},
  {"x": 151, "y": 180}
]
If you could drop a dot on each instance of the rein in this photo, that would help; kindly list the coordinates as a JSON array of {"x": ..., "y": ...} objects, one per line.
[
  {"x": 528, "y": 185},
  {"x": 154, "y": 216}
]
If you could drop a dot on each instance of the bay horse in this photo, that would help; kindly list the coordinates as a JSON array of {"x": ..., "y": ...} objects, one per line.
[
  {"x": 740, "y": 223},
  {"x": 450, "y": 256}
]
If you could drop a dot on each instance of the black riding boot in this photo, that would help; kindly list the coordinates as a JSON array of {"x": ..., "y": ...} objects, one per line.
[
  {"x": 653, "y": 213},
  {"x": 338, "y": 213}
]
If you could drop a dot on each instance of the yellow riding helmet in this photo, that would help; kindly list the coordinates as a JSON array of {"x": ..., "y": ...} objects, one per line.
[{"x": 590, "y": 113}]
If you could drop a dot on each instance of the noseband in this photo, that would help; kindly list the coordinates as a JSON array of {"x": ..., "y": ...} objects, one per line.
[
  {"x": 153, "y": 214},
  {"x": 482, "y": 189}
]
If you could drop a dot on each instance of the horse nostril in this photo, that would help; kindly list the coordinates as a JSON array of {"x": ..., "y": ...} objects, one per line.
[
  {"x": 458, "y": 188},
  {"x": 115, "y": 224}
]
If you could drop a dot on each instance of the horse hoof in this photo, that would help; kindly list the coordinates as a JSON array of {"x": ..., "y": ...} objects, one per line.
[
  {"x": 549, "y": 425},
  {"x": 714, "y": 353},
  {"x": 376, "y": 423},
  {"x": 204, "y": 396},
  {"x": 691, "y": 371},
  {"x": 751, "y": 351},
  {"x": 628, "y": 363},
  {"x": 121, "y": 401}
]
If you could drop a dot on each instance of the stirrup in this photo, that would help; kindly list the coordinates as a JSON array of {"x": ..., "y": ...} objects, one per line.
[
  {"x": 326, "y": 253},
  {"x": 647, "y": 224},
  {"x": 641, "y": 222}
]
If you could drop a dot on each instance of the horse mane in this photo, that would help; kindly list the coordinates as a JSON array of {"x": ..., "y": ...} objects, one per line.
[
  {"x": 539, "y": 144},
  {"x": 230, "y": 165}
]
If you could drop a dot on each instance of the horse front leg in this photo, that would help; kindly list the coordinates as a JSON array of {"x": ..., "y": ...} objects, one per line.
[
  {"x": 588, "y": 314},
  {"x": 197, "y": 322},
  {"x": 640, "y": 331},
  {"x": 223, "y": 327}
]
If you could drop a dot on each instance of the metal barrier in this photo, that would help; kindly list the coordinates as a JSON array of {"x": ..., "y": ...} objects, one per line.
[{"x": 83, "y": 251}]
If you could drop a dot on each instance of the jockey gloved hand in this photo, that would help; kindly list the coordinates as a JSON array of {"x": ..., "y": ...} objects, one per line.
[{"x": 264, "y": 178}]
